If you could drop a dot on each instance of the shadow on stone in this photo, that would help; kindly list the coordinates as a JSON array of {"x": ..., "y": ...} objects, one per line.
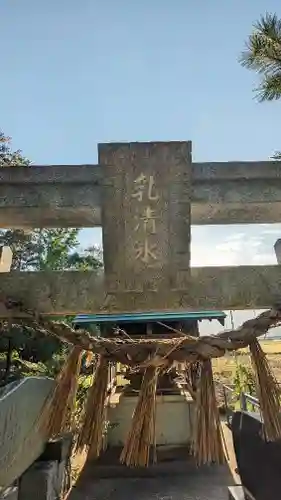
[
  {"x": 175, "y": 467},
  {"x": 259, "y": 462}
]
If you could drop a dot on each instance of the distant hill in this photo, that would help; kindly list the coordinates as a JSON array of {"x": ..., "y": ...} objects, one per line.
[
  {"x": 273, "y": 334},
  {"x": 271, "y": 337}
]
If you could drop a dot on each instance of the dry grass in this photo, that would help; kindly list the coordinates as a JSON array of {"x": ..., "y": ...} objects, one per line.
[
  {"x": 225, "y": 367},
  {"x": 141, "y": 437},
  {"x": 268, "y": 346},
  {"x": 267, "y": 391},
  {"x": 208, "y": 444},
  {"x": 58, "y": 410},
  {"x": 91, "y": 433}
]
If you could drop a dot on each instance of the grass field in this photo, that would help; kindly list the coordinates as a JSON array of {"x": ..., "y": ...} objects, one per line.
[{"x": 224, "y": 368}]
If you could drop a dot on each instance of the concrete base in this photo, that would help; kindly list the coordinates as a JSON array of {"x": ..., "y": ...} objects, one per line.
[
  {"x": 236, "y": 493},
  {"x": 170, "y": 461},
  {"x": 10, "y": 493},
  {"x": 239, "y": 493},
  {"x": 40, "y": 482},
  {"x": 174, "y": 420}
]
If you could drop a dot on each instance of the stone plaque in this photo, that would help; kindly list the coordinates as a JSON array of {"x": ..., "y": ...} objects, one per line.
[{"x": 146, "y": 216}]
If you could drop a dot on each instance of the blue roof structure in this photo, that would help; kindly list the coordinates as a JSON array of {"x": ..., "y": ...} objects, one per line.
[{"x": 148, "y": 317}]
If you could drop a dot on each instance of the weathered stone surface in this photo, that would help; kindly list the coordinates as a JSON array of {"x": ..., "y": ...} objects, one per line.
[
  {"x": 22, "y": 441},
  {"x": 53, "y": 292},
  {"x": 70, "y": 196},
  {"x": 40, "y": 482},
  {"x": 258, "y": 460},
  {"x": 50, "y": 196},
  {"x": 146, "y": 215},
  {"x": 213, "y": 288},
  {"x": 9, "y": 493},
  {"x": 194, "y": 484}
]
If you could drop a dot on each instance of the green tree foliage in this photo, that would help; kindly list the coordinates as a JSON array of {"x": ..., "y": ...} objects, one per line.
[
  {"x": 54, "y": 249},
  {"x": 39, "y": 250},
  {"x": 263, "y": 55},
  {"x": 244, "y": 380},
  {"x": 9, "y": 158},
  {"x": 276, "y": 156}
]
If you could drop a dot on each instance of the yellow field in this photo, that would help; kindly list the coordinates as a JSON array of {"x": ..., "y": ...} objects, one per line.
[
  {"x": 269, "y": 346},
  {"x": 225, "y": 367}
]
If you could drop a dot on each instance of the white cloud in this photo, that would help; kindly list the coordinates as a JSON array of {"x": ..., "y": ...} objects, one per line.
[
  {"x": 91, "y": 236},
  {"x": 228, "y": 245},
  {"x": 274, "y": 231},
  {"x": 221, "y": 246},
  {"x": 236, "y": 236},
  {"x": 264, "y": 259}
]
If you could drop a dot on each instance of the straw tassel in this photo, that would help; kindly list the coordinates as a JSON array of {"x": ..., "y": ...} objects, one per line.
[
  {"x": 92, "y": 432},
  {"x": 268, "y": 392},
  {"x": 57, "y": 413},
  {"x": 208, "y": 439},
  {"x": 141, "y": 438}
]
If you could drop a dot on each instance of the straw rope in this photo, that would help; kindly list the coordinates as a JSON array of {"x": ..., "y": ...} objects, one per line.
[
  {"x": 159, "y": 352},
  {"x": 154, "y": 356}
]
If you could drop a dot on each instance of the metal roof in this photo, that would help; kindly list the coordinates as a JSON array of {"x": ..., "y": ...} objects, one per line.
[{"x": 149, "y": 316}]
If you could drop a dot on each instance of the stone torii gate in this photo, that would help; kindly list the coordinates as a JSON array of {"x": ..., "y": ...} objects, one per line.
[{"x": 145, "y": 196}]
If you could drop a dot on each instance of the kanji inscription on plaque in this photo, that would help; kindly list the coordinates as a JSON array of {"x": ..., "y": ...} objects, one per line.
[{"x": 146, "y": 215}]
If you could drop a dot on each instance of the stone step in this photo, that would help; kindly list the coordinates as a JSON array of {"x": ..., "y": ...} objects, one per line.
[
  {"x": 9, "y": 493},
  {"x": 239, "y": 493},
  {"x": 236, "y": 493}
]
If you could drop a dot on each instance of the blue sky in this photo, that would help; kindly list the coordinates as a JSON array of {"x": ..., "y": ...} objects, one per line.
[{"x": 75, "y": 74}]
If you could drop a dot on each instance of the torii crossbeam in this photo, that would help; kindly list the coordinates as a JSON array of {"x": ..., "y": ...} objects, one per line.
[{"x": 145, "y": 196}]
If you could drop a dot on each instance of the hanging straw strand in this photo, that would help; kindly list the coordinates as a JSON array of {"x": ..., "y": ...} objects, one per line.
[
  {"x": 141, "y": 437},
  {"x": 268, "y": 392},
  {"x": 57, "y": 412},
  {"x": 92, "y": 432},
  {"x": 208, "y": 441}
]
